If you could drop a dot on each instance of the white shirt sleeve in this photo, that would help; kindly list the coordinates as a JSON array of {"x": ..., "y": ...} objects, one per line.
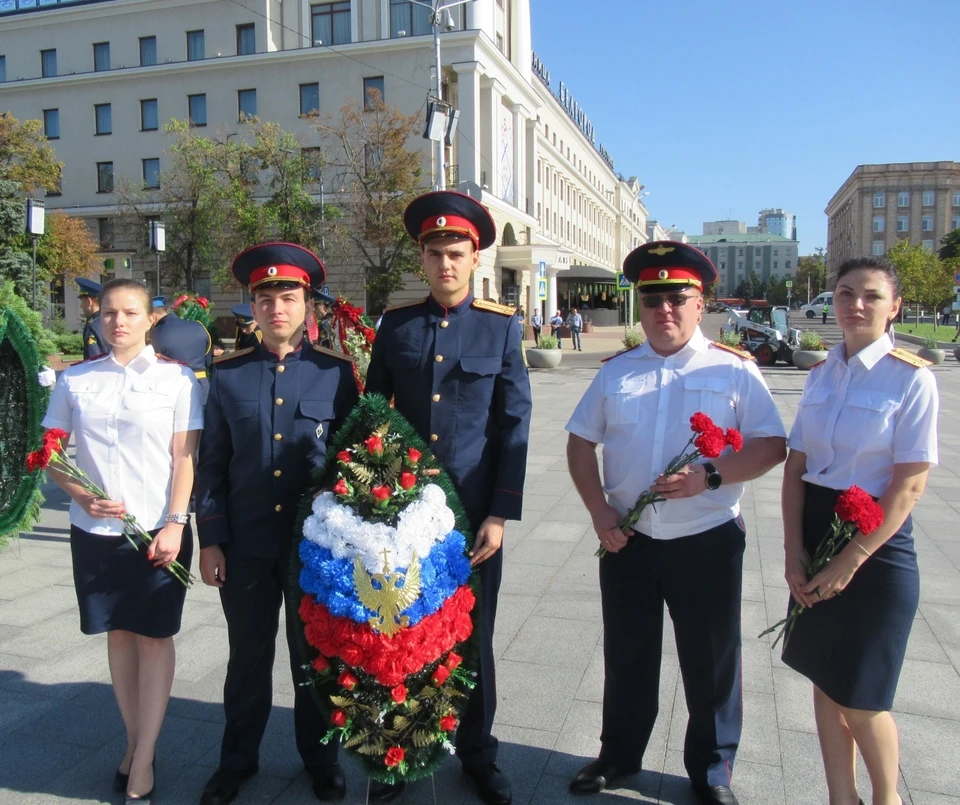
[
  {"x": 915, "y": 431},
  {"x": 588, "y": 420},
  {"x": 59, "y": 411},
  {"x": 757, "y": 412},
  {"x": 188, "y": 411}
]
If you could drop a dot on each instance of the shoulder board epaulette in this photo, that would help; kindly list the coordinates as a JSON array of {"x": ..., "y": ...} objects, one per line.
[
  {"x": 402, "y": 305},
  {"x": 332, "y": 353},
  {"x": 91, "y": 358},
  {"x": 909, "y": 358},
  {"x": 227, "y": 356},
  {"x": 493, "y": 307},
  {"x": 162, "y": 357},
  {"x": 740, "y": 353},
  {"x": 621, "y": 352},
  {"x": 819, "y": 363}
]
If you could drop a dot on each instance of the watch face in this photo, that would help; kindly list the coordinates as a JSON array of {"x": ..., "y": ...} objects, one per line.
[{"x": 713, "y": 480}]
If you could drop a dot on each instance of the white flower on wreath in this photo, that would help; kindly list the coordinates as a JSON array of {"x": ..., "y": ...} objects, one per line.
[{"x": 420, "y": 526}]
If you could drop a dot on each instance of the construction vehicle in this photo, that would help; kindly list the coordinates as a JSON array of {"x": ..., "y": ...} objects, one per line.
[{"x": 765, "y": 333}]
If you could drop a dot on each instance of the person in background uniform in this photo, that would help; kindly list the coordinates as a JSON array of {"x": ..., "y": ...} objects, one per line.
[
  {"x": 184, "y": 341},
  {"x": 556, "y": 322},
  {"x": 454, "y": 367},
  {"x": 687, "y": 551},
  {"x": 867, "y": 417},
  {"x": 248, "y": 333},
  {"x": 89, "y": 296},
  {"x": 536, "y": 321},
  {"x": 271, "y": 410},
  {"x": 823, "y": 312},
  {"x": 323, "y": 311},
  {"x": 575, "y": 323}
]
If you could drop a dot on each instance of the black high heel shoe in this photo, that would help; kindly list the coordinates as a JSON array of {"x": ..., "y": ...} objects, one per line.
[
  {"x": 120, "y": 781},
  {"x": 143, "y": 799}
]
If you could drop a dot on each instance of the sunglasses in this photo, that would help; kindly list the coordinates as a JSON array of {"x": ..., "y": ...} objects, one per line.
[{"x": 675, "y": 300}]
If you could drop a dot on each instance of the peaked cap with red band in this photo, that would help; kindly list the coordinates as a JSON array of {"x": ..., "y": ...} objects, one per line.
[
  {"x": 287, "y": 263},
  {"x": 447, "y": 213},
  {"x": 668, "y": 265}
]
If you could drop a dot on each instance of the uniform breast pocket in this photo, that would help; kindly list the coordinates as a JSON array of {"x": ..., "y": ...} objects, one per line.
[
  {"x": 864, "y": 412},
  {"x": 88, "y": 395},
  {"x": 711, "y": 395},
  {"x": 150, "y": 395},
  {"x": 623, "y": 402},
  {"x": 407, "y": 361},
  {"x": 313, "y": 420},
  {"x": 477, "y": 367}
]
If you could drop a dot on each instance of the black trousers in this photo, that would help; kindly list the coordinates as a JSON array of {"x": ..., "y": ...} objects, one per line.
[
  {"x": 699, "y": 578},
  {"x": 251, "y": 597},
  {"x": 476, "y": 746}
]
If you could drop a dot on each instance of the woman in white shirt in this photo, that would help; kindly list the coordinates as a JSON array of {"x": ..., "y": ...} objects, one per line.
[
  {"x": 868, "y": 416},
  {"x": 136, "y": 417}
]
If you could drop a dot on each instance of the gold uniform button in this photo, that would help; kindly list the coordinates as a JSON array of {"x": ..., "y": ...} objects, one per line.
[
  {"x": 433, "y": 437},
  {"x": 278, "y": 508},
  {"x": 439, "y": 359},
  {"x": 277, "y": 473},
  {"x": 278, "y": 401},
  {"x": 444, "y": 324},
  {"x": 281, "y": 368},
  {"x": 277, "y": 437},
  {"x": 436, "y": 398}
]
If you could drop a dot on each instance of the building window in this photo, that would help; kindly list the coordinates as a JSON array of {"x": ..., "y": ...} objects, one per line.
[
  {"x": 878, "y": 223},
  {"x": 787, "y": 264},
  {"x": 955, "y": 222},
  {"x": 926, "y": 223},
  {"x": 197, "y": 109},
  {"x": 903, "y": 223},
  {"x": 195, "y": 45},
  {"x": 104, "y": 116},
  {"x": 788, "y": 251},
  {"x": 309, "y": 99},
  {"x": 313, "y": 161},
  {"x": 756, "y": 265},
  {"x": 878, "y": 248},
  {"x": 879, "y": 199},
  {"x": 149, "y": 117},
  {"x": 246, "y": 39},
  {"x": 104, "y": 177},
  {"x": 956, "y": 198},
  {"x": 48, "y": 63},
  {"x": 776, "y": 252},
  {"x": 928, "y": 198},
  {"x": 330, "y": 24},
  {"x": 407, "y": 19},
  {"x": 246, "y": 104},
  {"x": 151, "y": 173},
  {"x": 740, "y": 264},
  {"x": 148, "y": 50},
  {"x": 928, "y": 245},
  {"x": 51, "y": 124},
  {"x": 105, "y": 232},
  {"x": 776, "y": 264},
  {"x": 903, "y": 199},
  {"x": 373, "y": 94},
  {"x": 3, "y": 68},
  {"x": 101, "y": 56}
]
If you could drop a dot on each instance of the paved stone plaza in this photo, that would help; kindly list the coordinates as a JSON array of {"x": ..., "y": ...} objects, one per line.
[{"x": 62, "y": 735}]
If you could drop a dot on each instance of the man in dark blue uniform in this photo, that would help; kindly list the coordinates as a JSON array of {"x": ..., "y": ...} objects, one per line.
[
  {"x": 184, "y": 341},
  {"x": 89, "y": 296},
  {"x": 322, "y": 311},
  {"x": 269, "y": 415},
  {"x": 247, "y": 333},
  {"x": 454, "y": 367}
]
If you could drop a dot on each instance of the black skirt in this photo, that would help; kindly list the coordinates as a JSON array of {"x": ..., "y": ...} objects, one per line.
[
  {"x": 852, "y": 646},
  {"x": 119, "y": 588}
]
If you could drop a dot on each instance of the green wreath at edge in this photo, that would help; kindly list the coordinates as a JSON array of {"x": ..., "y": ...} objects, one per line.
[
  {"x": 24, "y": 508},
  {"x": 370, "y": 413}
]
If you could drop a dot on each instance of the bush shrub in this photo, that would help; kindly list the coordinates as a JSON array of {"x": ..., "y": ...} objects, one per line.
[
  {"x": 69, "y": 343},
  {"x": 929, "y": 342},
  {"x": 729, "y": 338},
  {"x": 811, "y": 341},
  {"x": 547, "y": 342}
]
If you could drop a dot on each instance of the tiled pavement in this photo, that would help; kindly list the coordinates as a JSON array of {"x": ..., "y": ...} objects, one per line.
[{"x": 62, "y": 736}]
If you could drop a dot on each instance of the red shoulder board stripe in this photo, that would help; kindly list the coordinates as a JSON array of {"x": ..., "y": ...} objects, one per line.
[
  {"x": 621, "y": 352},
  {"x": 162, "y": 357}
]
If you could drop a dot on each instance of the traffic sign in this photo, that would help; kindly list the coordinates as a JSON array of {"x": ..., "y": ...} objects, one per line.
[
  {"x": 956, "y": 277},
  {"x": 542, "y": 273},
  {"x": 789, "y": 283},
  {"x": 623, "y": 283},
  {"x": 542, "y": 290}
]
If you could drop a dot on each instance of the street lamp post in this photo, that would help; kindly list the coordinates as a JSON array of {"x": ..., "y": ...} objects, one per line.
[
  {"x": 35, "y": 218},
  {"x": 157, "y": 245}
]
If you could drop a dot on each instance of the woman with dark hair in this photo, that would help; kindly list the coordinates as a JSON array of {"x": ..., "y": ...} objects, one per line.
[
  {"x": 868, "y": 417},
  {"x": 137, "y": 418}
]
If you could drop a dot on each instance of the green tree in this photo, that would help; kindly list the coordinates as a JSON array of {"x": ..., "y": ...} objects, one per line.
[
  {"x": 950, "y": 245},
  {"x": 750, "y": 287},
  {"x": 811, "y": 276},
  {"x": 67, "y": 249},
  {"x": 377, "y": 174},
  {"x": 25, "y": 155},
  {"x": 924, "y": 278},
  {"x": 777, "y": 292}
]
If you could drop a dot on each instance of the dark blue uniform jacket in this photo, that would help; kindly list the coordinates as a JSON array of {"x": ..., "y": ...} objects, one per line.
[{"x": 93, "y": 343}]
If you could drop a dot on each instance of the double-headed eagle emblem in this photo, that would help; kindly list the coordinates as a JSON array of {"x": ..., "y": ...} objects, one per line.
[{"x": 387, "y": 593}]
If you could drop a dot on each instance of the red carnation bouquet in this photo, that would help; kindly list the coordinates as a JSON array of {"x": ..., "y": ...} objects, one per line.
[
  {"x": 51, "y": 451},
  {"x": 854, "y": 511},
  {"x": 708, "y": 440},
  {"x": 352, "y": 333}
]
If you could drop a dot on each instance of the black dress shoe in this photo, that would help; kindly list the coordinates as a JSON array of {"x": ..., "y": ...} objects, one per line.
[
  {"x": 120, "y": 781},
  {"x": 715, "y": 794},
  {"x": 493, "y": 786},
  {"x": 223, "y": 787},
  {"x": 329, "y": 784},
  {"x": 386, "y": 792},
  {"x": 598, "y": 775}
]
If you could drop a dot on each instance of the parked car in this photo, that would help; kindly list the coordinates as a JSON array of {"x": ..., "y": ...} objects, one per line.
[{"x": 815, "y": 308}]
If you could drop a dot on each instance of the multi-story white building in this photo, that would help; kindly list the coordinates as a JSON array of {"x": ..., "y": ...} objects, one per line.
[
  {"x": 736, "y": 256},
  {"x": 105, "y": 76}
]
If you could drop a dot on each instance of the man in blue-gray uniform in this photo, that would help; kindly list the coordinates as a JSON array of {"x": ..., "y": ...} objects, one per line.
[
  {"x": 454, "y": 367},
  {"x": 184, "y": 341},
  {"x": 269, "y": 415},
  {"x": 89, "y": 296},
  {"x": 247, "y": 333}
]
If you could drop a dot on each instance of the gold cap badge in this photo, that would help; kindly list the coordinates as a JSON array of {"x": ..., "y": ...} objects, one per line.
[{"x": 661, "y": 250}]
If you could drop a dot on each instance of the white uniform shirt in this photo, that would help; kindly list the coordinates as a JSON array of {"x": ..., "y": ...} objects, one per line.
[
  {"x": 639, "y": 407},
  {"x": 123, "y": 419},
  {"x": 858, "y": 418}
]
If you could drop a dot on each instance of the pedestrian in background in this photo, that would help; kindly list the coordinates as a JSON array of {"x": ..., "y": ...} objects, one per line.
[
  {"x": 824, "y": 311},
  {"x": 556, "y": 322},
  {"x": 89, "y": 296},
  {"x": 536, "y": 322},
  {"x": 575, "y": 323},
  {"x": 184, "y": 341}
]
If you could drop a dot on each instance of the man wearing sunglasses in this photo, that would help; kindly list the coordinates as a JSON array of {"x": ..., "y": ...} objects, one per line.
[{"x": 687, "y": 550}]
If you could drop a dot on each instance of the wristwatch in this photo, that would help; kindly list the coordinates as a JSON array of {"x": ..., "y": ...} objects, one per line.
[
  {"x": 714, "y": 479},
  {"x": 183, "y": 519}
]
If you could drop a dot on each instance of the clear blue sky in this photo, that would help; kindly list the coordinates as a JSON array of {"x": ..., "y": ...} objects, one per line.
[{"x": 725, "y": 107}]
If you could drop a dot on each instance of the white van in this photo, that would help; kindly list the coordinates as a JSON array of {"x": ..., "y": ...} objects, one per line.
[{"x": 815, "y": 308}]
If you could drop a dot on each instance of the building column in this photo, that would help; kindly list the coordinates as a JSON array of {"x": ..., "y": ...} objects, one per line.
[
  {"x": 490, "y": 144},
  {"x": 468, "y": 128},
  {"x": 520, "y": 116},
  {"x": 551, "y": 291},
  {"x": 530, "y": 177}
]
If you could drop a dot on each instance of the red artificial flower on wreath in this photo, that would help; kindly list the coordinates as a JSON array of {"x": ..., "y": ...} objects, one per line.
[
  {"x": 395, "y": 756},
  {"x": 338, "y": 718},
  {"x": 710, "y": 442},
  {"x": 734, "y": 439},
  {"x": 399, "y": 694},
  {"x": 341, "y": 487},
  {"x": 440, "y": 676},
  {"x": 452, "y": 661},
  {"x": 448, "y": 723},
  {"x": 203, "y": 301},
  {"x": 414, "y": 455},
  {"x": 347, "y": 680},
  {"x": 321, "y": 664},
  {"x": 700, "y": 422},
  {"x": 407, "y": 480},
  {"x": 344, "y": 456},
  {"x": 857, "y": 506},
  {"x": 381, "y": 494},
  {"x": 180, "y": 300},
  {"x": 374, "y": 445}
]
